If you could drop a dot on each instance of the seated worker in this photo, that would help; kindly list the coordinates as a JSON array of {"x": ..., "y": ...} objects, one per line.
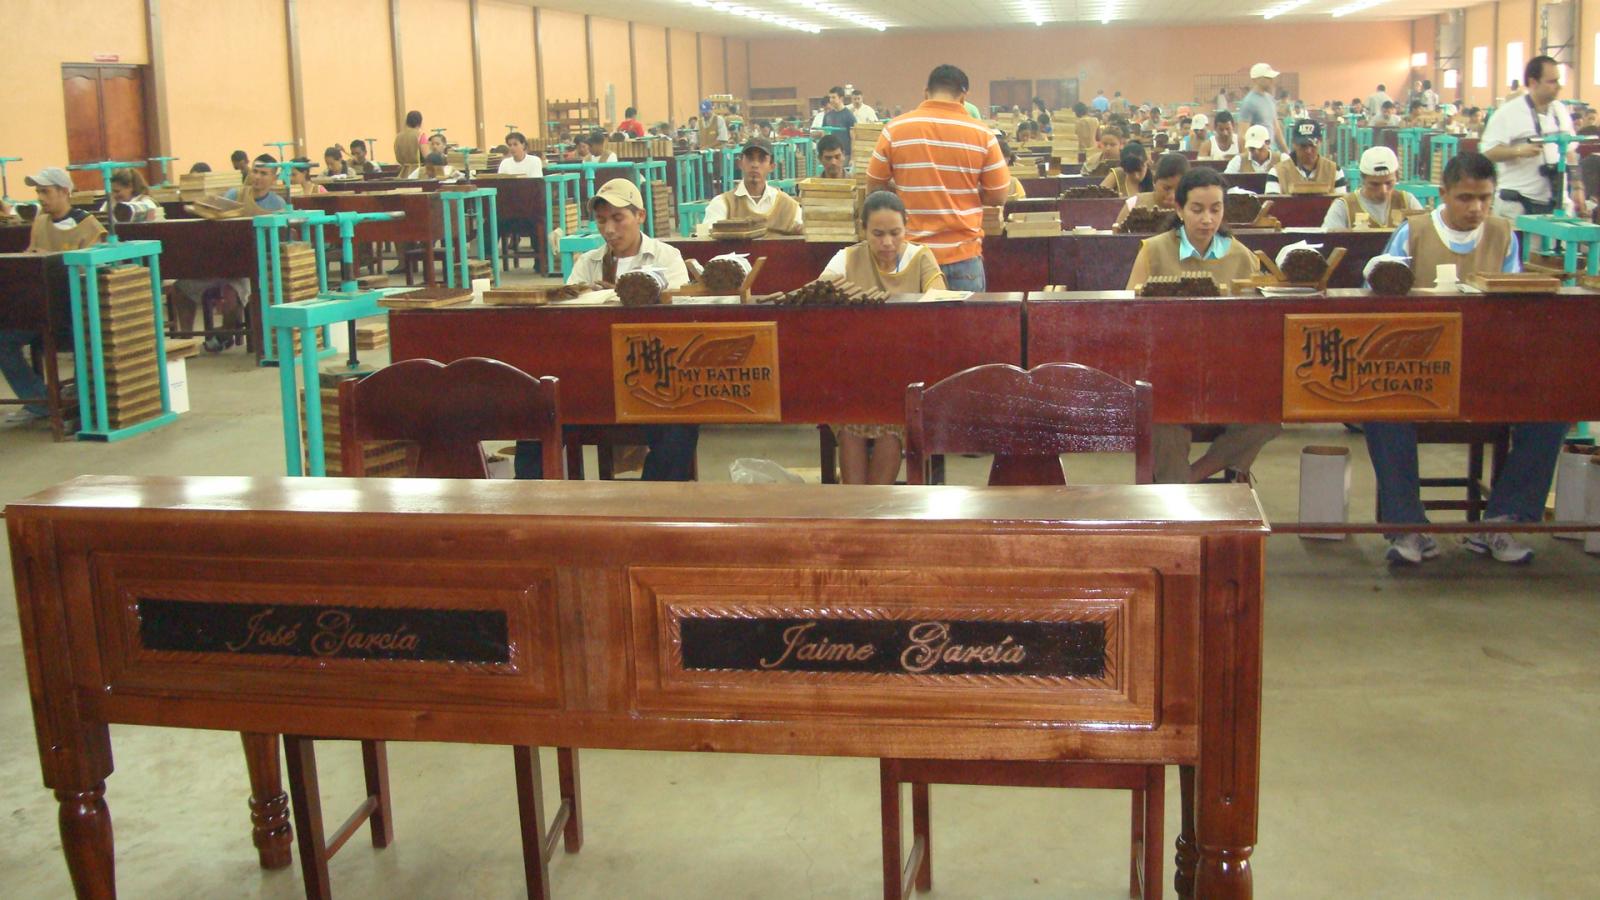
[
  {"x": 1198, "y": 140},
  {"x": 230, "y": 295},
  {"x": 1018, "y": 192},
  {"x": 359, "y": 163},
  {"x": 408, "y": 144},
  {"x": 1180, "y": 132},
  {"x": 518, "y": 161},
  {"x": 1199, "y": 242},
  {"x": 1132, "y": 173},
  {"x": 830, "y": 154},
  {"x": 1258, "y": 157},
  {"x": 1224, "y": 142},
  {"x": 1307, "y": 168},
  {"x": 630, "y": 124},
  {"x": 1170, "y": 169},
  {"x": 300, "y": 179},
  {"x": 58, "y": 227},
  {"x": 333, "y": 163},
  {"x": 753, "y": 197},
  {"x": 1387, "y": 116},
  {"x": 199, "y": 167},
  {"x": 619, "y": 215},
  {"x": 592, "y": 149},
  {"x": 1379, "y": 204},
  {"x": 130, "y": 191},
  {"x": 1103, "y": 158},
  {"x": 436, "y": 144},
  {"x": 1461, "y": 231},
  {"x": 435, "y": 166},
  {"x": 1087, "y": 126},
  {"x": 870, "y": 454},
  {"x": 241, "y": 164}
]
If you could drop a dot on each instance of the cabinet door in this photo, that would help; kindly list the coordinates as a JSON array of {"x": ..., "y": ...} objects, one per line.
[{"x": 80, "y": 86}]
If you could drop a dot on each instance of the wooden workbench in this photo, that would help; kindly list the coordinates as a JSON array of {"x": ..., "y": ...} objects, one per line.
[{"x": 584, "y": 614}]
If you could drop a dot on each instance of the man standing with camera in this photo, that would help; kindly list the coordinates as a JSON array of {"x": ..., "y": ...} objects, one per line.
[{"x": 1525, "y": 166}]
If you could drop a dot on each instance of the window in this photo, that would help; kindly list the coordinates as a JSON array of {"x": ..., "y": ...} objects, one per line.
[
  {"x": 1480, "y": 67},
  {"x": 1515, "y": 62},
  {"x": 1418, "y": 60},
  {"x": 1452, "y": 79}
]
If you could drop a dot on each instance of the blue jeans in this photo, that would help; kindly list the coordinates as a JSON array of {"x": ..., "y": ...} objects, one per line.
[
  {"x": 1519, "y": 493},
  {"x": 25, "y": 383},
  {"x": 966, "y": 275},
  {"x": 671, "y": 456}
]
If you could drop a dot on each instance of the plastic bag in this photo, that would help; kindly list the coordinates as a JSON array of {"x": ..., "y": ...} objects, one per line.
[
  {"x": 761, "y": 471},
  {"x": 1366, "y": 271},
  {"x": 1297, "y": 245}
]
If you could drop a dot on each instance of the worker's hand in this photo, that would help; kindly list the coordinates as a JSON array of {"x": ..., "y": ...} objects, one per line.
[{"x": 1528, "y": 151}]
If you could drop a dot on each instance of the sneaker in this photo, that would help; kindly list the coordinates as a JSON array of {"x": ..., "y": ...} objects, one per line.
[
  {"x": 1411, "y": 549},
  {"x": 1499, "y": 544},
  {"x": 25, "y": 414}
]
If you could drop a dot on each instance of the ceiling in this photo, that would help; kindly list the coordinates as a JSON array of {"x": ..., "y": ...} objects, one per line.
[{"x": 768, "y": 18}]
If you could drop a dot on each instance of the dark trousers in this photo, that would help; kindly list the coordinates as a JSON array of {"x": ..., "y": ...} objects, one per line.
[{"x": 671, "y": 456}]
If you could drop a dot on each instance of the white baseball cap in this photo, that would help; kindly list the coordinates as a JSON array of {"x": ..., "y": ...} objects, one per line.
[
  {"x": 1200, "y": 121},
  {"x": 1257, "y": 136},
  {"x": 51, "y": 177},
  {"x": 1262, "y": 70},
  {"x": 1379, "y": 161}
]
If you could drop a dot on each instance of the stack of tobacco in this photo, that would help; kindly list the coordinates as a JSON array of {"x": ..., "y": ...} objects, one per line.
[
  {"x": 1188, "y": 284},
  {"x": 1147, "y": 220},
  {"x": 1241, "y": 209},
  {"x": 827, "y": 292},
  {"x": 1088, "y": 192},
  {"x": 1391, "y": 279},
  {"x": 1303, "y": 266},
  {"x": 639, "y": 289},
  {"x": 723, "y": 277}
]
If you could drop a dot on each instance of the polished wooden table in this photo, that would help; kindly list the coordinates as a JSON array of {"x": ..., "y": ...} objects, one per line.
[
  {"x": 33, "y": 297},
  {"x": 1524, "y": 357},
  {"x": 836, "y": 364},
  {"x": 1299, "y": 211},
  {"x": 586, "y": 614}
]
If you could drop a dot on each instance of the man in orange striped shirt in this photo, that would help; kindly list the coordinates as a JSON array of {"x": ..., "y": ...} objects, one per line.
[{"x": 946, "y": 166}]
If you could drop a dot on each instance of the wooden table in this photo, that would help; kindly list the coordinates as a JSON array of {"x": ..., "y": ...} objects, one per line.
[
  {"x": 585, "y": 614},
  {"x": 836, "y": 364},
  {"x": 1524, "y": 357},
  {"x": 423, "y": 221},
  {"x": 1102, "y": 261},
  {"x": 33, "y": 297},
  {"x": 1012, "y": 264}
]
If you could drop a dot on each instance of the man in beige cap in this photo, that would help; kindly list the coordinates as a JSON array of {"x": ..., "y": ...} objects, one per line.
[
  {"x": 619, "y": 215},
  {"x": 1258, "y": 157},
  {"x": 1379, "y": 204},
  {"x": 1258, "y": 107},
  {"x": 753, "y": 197}
]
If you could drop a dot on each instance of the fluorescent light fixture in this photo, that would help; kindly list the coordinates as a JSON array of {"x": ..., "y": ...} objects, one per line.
[
  {"x": 836, "y": 13},
  {"x": 735, "y": 9},
  {"x": 1357, "y": 6},
  {"x": 1034, "y": 12},
  {"x": 1283, "y": 8},
  {"x": 1418, "y": 60},
  {"x": 1108, "y": 12}
]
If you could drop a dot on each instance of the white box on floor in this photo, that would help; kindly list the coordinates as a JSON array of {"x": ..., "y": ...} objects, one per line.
[
  {"x": 1325, "y": 487},
  {"x": 1572, "y": 485},
  {"x": 1591, "y": 544},
  {"x": 178, "y": 384},
  {"x": 339, "y": 337}
]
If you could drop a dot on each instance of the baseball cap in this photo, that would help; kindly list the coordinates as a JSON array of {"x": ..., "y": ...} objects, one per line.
[
  {"x": 757, "y": 143},
  {"x": 54, "y": 176},
  {"x": 619, "y": 192},
  {"x": 1379, "y": 161},
  {"x": 1201, "y": 120},
  {"x": 1262, "y": 70},
  {"x": 1307, "y": 131},
  {"x": 1257, "y": 136}
]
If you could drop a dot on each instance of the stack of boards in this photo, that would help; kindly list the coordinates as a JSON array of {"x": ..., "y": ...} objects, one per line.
[
  {"x": 128, "y": 342},
  {"x": 994, "y": 221},
  {"x": 863, "y": 140},
  {"x": 1034, "y": 224},
  {"x": 829, "y": 208},
  {"x": 193, "y": 186},
  {"x": 372, "y": 335},
  {"x": 661, "y": 208},
  {"x": 297, "y": 262},
  {"x": 380, "y": 458},
  {"x": 428, "y": 298}
]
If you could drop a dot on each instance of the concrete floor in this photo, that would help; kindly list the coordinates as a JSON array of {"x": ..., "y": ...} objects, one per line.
[{"x": 1428, "y": 733}]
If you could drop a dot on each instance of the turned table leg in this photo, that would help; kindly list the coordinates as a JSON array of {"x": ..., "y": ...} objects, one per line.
[
  {"x": 1184, "y": 861},
  {"x": 86, "y": 841},
  {"x": 269, "y": 805}
]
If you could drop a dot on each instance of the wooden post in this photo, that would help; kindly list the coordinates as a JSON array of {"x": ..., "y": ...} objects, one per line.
[
  {"x": 297, "y": 97},
  {"x": 399, "y": 65},
  {"x": 477, "y": 79}
]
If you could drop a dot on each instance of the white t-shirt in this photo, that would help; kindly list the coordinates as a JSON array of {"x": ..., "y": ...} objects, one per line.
[
  {"x": 865, "y": 113},
  {"x": 1513, "y": 124},
  {"x": 1214, "y": 149},
  {"x": 531, "y": 166},
  {"x": 590, "y": 267}
]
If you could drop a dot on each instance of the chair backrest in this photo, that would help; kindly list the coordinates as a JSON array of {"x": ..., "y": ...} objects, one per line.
[
  {"x": 444, "y": 411},
  {"x": 1027, "y": 419}
]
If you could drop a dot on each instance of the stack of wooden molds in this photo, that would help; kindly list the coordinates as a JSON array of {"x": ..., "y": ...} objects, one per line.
[
  {"x": 863, "y": 140},
  {"x": 994, "y": 221},
  {"x": 643, "y": 148},
  {"x": 1034, "y": 224},
  {"x": 371, "y": 335},
  {"x": 829, "y": 208},
  {"x": 1064, "y": 139},
  {"x": 194, "y": 185},
  {"x": 571, "y": 219},
  {"x": 128, "y": 342},
  {"x": 297, "y": 262},
  {"x": 381, "y": 458},
  {"x": 661, "y": 209}
]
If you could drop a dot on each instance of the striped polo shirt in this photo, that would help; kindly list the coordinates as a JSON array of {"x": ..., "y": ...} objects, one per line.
[{"x": 938, "y": 158}]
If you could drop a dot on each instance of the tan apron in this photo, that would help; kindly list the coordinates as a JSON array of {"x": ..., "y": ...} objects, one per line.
[
  {"x": 47, "y": 238},
  {"x": 1323, "y": 179},
  {"x": 922, "y": 274},
  {"x": 781, "y": 220},
  {"x": 1399, "y": 205},
  {"x": 1163, "y": 250},
  {"x": 408, "y": 151},
  {"x": 1429, "y": 251}
]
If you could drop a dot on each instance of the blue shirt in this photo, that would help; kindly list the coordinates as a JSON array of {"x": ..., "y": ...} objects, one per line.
[
  {"x": 272, "y": 202},
  {"x": 1220, "y": 245},
  {"x": 1258, "y": 109},
  {"x": 1101, "y": 103},
  {"x": 1402, "y": 239}
]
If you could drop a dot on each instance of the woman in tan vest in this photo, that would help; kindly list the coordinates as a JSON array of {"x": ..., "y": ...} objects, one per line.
[
  {"x": 1132, "y": 173},
  {"x": 1101, "y": 158},
  {"x": 1170, "y": 169},
  {"x": 57, "y": 227},
  {"x": 870, "y": 454},
  {"x": 1199, "y": 242}
]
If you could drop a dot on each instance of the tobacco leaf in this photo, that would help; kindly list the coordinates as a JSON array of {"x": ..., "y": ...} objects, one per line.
[
  {"x": 1404, "y": 343},
  {"x": 724, "y": 352}
]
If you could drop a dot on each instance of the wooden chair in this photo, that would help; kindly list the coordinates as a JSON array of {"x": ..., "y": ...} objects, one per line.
[
  {"x": 442, "y": 412},
  {"x": 1477, "y": 437},
  {"x": 1027, "y": 419}
]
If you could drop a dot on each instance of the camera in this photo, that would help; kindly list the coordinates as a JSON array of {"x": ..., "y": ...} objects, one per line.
[{"x": 1548, "y": 170}]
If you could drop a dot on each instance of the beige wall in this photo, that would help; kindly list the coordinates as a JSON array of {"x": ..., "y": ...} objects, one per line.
[
  {"x": 711, "y": 80},
  {"x": 650, "y": 55},
  {"x": 739, "y": 66},
  {"x": 613, "y": 69},
  {"x": 345, "y": 64},
  {"x": 1588, "y": 27},
  {"x": 685, "y": 80},
  {"x": 436, "y": 50},
  {"x": 40, "y": 35},
  {"x": 510, "y": 96},
  {"x": 230, "y": 90},
  {"x": 566, "y": 59},
  {"x": 1480, "y": 32}
]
